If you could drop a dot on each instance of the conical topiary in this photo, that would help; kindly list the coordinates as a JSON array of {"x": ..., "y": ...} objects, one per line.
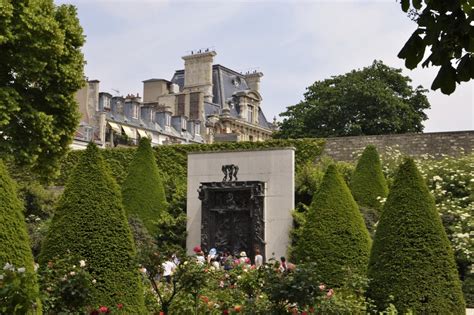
[
  {"x": 368, "y": 181},
  {"x": 368, "y": 185},
  {"x": 143, "y": 192},
  {"x": 90, "y": 223},
  {"x": 334, "y": 235},
  {"x": 411, "y": 262},
  {"x": 14, "y": 242}
]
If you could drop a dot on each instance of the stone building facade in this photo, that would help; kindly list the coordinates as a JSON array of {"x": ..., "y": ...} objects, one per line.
[{"x": 203, "y": 103}]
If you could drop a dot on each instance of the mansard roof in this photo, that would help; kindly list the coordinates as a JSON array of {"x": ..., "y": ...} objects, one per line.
[{"x": 226, "y": 84}]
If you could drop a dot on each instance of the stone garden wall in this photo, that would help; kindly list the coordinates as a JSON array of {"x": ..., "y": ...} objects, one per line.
[{"x": 415, "y": 144}]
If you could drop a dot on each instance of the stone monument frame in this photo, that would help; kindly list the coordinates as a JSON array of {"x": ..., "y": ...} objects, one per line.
[{"x": 274, "y": 167}]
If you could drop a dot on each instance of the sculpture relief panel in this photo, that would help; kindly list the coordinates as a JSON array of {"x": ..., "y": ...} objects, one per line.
[{"x": 232, "y": 217}]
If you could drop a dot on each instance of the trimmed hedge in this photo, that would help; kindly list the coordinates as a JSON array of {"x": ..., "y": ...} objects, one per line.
[
  {"x": 14, "y": 241},
  {"x": 172, "y": 159},
  {"x": 143, "y": 193},
  {"x": 90, "y": 223},
  {"x": 334, "y": 235},
  {"x": 411, "y": 258}
]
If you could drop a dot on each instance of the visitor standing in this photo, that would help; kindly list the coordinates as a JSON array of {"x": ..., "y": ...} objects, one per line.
[
  {"x": 168, "y": 269},
  {"x": 283, "y": 266},
  {"x": 258, "y": 258}
]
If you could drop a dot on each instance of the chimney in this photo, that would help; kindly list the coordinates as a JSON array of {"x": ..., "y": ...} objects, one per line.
[
  {"x": 154, "y": 88},
  {"x": 253, "y": 80},
  {"x": 198, "y": 72}
]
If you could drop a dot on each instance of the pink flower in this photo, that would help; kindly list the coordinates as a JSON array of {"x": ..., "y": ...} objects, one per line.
[
  {"x": 120, "y": 306},
  {"x": 103, "y": 309},
  {"x": 322, "y": 287}
]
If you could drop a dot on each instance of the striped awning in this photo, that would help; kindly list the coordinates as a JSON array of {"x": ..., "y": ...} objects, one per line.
[
  {"x": 130, "y": 132},
  {"x": 115, "y": 127},
  {"x": 143, "y": 133}
]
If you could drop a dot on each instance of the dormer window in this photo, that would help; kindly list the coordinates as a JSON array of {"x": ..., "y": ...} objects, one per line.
[
  {"x": 250, "y": 114},
  {"x": 135, "y": 111},
  {"x": 183, "y": 123},
  {"x": 168, "y": 119},
  {"x": 197, "y": 128}
]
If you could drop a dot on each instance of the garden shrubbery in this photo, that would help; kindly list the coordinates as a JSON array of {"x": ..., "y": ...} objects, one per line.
[
  {"x": 18, "y": 284},
  {"x": 368, "y": 186},
  {"x": 90, "y": 224},
  {"x": 210, "y": 291},
  {"x": 143, "y": 193},
  {"x": 411, "y": 259},
  {"x": 334, "y": 235}
]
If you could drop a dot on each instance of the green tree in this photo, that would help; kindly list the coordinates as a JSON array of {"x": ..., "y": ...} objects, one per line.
[
  {"x": 411, "y": 258},
  {"x": 14, "y": 246},
  {"x": 90, "y": 224},
  {"x": 375, "y": 100},
  {"x": 368, "y": 185},
  {"x": 41, "y": 67},
  {"x": 143, "y": 191},
  {"x": 446, "y": 26},
  {"x": 334, "y": 235}
]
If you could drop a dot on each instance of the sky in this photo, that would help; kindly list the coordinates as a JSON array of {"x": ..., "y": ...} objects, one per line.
[{"x": 294, "y": 43}]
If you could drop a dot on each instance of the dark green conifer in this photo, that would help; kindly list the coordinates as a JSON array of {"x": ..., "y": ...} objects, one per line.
[
  {"x": 368, "y": 181},
  {"x": 368, "y": 185},
  {"x": 411, "y": 258},
  {"x": 143, "y": 191},
  {"x": 334, "y": 235},
  {"x": 14, "y": 241},
  {"x": 90, "y": 223}
]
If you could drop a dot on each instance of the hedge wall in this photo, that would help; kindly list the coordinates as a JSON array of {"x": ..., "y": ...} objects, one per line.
[
  {"x": 14, "y": 241},
  {"x": 411, "y": 258},
  {"x": 143, "y": 193},
  {"x": 172, "y": 159},
  {"x": 90, "y": 223},
  {"x": 334, "y": 235}
]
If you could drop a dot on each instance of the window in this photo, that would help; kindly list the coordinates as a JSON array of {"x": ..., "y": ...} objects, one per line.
[
  {"x": 135, "y": 110},
  {"x": 167, "y": 119},
  {"x": 197, "y": 128},
  {"x": 181, "y": 99},
  {"x": 194, "y": 105},
  {"x": 183, "y": 123},
  {"x": 250, "y": 113}
]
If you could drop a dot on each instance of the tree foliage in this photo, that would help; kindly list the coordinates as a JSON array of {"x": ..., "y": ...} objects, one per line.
[
  {"x": 41, "y": 67},
  {"x": 375, "y": 100},
  {"x": 447, "y": 27},
  {"x": 411, "y": 258},
  {"x": 143, "y": 192},
  {"x": 90, "y": 223},
  {"x": 334, "y": 235},
  {"x": 14, "y": 242}
]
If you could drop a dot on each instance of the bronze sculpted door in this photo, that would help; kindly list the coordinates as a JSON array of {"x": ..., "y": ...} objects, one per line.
[{"x": 232, "y": 216}]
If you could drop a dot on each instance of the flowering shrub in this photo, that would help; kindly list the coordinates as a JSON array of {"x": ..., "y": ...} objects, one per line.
[
  {"x": 17, "y": 291},
  {"x": 66, "y": 286}
]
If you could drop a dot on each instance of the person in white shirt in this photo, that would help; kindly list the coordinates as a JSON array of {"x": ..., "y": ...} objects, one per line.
[
  {"x": 258, "y": 258},
  {"x": 168, "y": 269}
]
